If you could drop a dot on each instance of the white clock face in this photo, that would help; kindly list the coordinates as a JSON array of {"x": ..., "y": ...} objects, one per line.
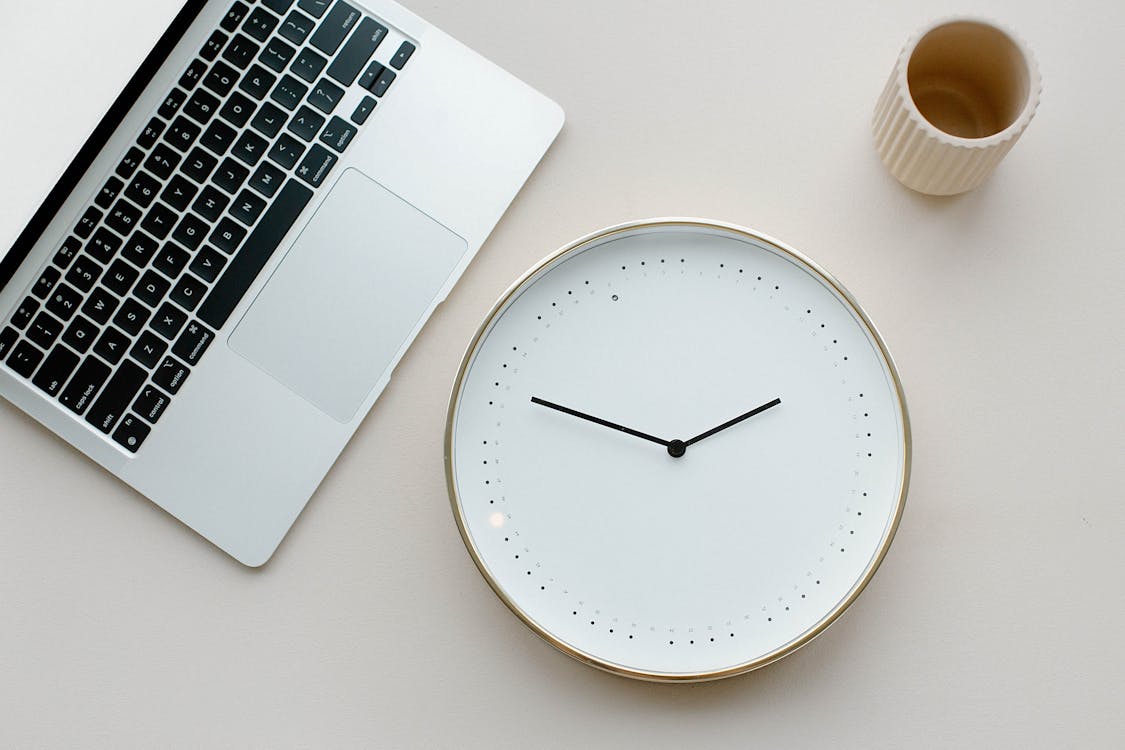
[{"x": 633, "y": 551}]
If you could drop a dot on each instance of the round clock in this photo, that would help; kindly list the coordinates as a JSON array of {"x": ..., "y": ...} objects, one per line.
[{"x": 677, "y": 450}]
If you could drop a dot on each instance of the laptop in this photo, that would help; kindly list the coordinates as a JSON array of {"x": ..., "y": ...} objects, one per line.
[{"x": 221, "y": 283}]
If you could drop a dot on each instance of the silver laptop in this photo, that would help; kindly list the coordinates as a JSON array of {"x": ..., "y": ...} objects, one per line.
[{"x": 219, "y": 286}]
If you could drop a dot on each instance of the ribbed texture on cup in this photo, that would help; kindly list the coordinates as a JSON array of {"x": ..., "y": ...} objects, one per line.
[{"x": 928, "y": 160}]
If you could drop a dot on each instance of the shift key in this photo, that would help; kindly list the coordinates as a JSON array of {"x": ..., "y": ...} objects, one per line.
[
  {"x": 334, "y": 28},
  {"x": 357, "y": 51},
  {"x": 119, "y": 392}
]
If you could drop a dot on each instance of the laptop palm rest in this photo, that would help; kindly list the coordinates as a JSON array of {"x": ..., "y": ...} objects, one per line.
[{"x": 342, "y": 303}]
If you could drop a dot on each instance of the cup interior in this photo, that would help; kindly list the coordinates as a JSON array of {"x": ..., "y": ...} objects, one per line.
[{"x": 968, "y": 79}]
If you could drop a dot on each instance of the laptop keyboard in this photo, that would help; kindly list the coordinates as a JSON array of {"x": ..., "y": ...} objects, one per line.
[{"x": 196, "y": 207}]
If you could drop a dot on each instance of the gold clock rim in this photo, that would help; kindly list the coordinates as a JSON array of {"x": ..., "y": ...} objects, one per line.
[{"x": 676, "y": 677}]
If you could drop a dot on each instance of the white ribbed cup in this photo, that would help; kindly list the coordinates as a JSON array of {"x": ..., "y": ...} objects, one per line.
[{"x": 961, "y": 94}]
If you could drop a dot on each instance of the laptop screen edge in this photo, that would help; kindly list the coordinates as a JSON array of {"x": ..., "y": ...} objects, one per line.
[{"x": 101, "y": 134}]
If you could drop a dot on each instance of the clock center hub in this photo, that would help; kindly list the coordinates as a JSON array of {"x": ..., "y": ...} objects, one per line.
[{"x": 677, "y": 448}]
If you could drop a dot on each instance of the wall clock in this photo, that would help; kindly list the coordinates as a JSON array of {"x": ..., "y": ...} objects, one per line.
[{"x": 677, "y": 450}]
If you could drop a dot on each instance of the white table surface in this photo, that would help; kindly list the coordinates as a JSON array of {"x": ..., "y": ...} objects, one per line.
[{"x": 995, "y": 621}]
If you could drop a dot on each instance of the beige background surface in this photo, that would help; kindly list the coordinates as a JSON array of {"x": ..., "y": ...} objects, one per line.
[{"x": 996, "y": 619}]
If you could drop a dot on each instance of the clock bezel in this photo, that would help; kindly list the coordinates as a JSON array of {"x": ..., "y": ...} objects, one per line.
[{"x": 821, "y": 625}]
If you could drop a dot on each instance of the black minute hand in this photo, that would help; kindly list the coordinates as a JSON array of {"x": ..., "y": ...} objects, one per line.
[
  {"x": 731, "y": 423},
  {"x": 596, "y": 420}
]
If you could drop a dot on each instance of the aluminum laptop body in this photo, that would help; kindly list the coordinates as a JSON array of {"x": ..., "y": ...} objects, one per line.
[{"x": 379, "y": 232}]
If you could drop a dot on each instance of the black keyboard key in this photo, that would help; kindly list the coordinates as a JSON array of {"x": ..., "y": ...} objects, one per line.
[
  {"x": 210, "y": 203},
  {"x": 159, "y": 221},
  {"x": 179, "y": 192},
  {"x": 114, "y": 400},
  {"x": 80, "y": 334},
  {"x": 8, "y": 339},
  {"x": 149, "y": 349},
  {"x": 192, "y": 75},
  {"x": 87, "y": 223},
  {"x": 112, "y": 345},
  {"x": 151, "y": 134},
  {"x": 131, "y": 318},
  {"x": 213, "y": 46},
  {"x": 382, "y": 82},
  {"x": 171, "y": 375},
  {"x": 151, "y": 404},
  {"x": 24, "y": 313},
  {"x": 287, "y": 151},
  {"x": 296, "y": 27},
  {"x": 237, "y": 110},
  {"x": 269, "y": 120},
  {"x": 109, "y": 192},
  {"x": 325, "y": 95},
  {"x": 240, "y": 52},
  {"x": 87, "y": 381},
  {"x": 308, "y": 64},
  {"x": 99, "y": 306},
  {"x": 201, "y": 107},
  {"x": 306, "y": 124},
  {"x": 259, "y": 247},
  {"x": 234, "y": 16},
  {"x": 334, "y": 28},
  {"x": 314, "y": 169},
  {"x": 267, "y": 179},
  {"x": 131, "y": 434},
  {"x": 193, "y": 343},
  {"x": 188, "y": 292},
  {"x": 120, "y": 277},
  {"x": 221, "y": 79},
  {"x": 172, "y": 104},
  {"x": 190, "y": 231},
  {"x": 24, "y": 359},
  {"x": 247, "y": 207},
  {"x": 277, "y": 6},
  {"x": 46, "y": 282},
  {"x": 338, "y": 134},
  {"x": 363, "y": 110},
  {"x": 103, "y": 245},
  {"x": 151, "y": 288},
  {"x": 56, "y": 370},
  {"x": 139, "y": 249},
  {"x": 230, "y": 175},
  {"x": 218, "y": 137},
  {"x": 130, "y": 162},
  {"x": 171, "y": 260},
  {"x": 64, "y": 302},
  {"x": 277, "y": 55},
  {"x": 405, "y": 50},
  {"x": 199, "y": 164},
  {"x": 355, "y": 54},
  {"x": 250, "y": 148},
  {"x": 314, "y": 8},
  {"x": 44, "y": 330},
  {"x": 182, "y": 134},
  {"x": 367, "y": 80},
  {"x": 67, "y": 252},
  {"x": 207, "y": 264},
  {"x": 227, "y": 235},
  {"x": 260, "y": 24},
  {"x": 289, "y": 92},
  {"x": 123, "y": 218},
  {"x": 162, "y": 161},
  {"x": 142, "y": 189},
  {"x": 84, "y": 273},
  {"x": 257, "y": 82}
]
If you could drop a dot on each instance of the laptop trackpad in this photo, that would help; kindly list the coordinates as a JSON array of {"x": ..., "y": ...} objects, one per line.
[{"x": 348, "y": 294}]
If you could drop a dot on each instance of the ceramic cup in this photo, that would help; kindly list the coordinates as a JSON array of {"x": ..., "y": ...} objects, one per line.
[{"x": 961, "y": 93}]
